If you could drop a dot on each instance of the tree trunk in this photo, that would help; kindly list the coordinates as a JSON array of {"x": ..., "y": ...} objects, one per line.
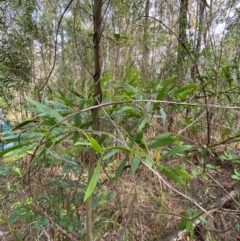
[
  {"x": 199, "y": 39},
  {"x": 182, "y": 36},
  {"x": 146, "y": 51},
  {"x": 97, "y": 22}
]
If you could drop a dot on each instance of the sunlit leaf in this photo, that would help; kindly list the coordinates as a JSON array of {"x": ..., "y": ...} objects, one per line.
[
  {"x": 181, "y": 173},
  {"x": 135, "y": 164},
  {"x": 142, "y": 123},
  {"x": 176, "y": 150},
  {"x": 148, "y": 161},
  {"x": 172, "y": 176},
  {"x": 110, "y": 154},
  {"x": 163, "y": 116},
  {"x": 95, "y": 145}
]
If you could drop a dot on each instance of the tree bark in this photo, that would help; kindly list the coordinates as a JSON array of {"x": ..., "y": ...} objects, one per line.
[
  {"x": 97, "y": 24},
  {"x": 146, "y": 51},
  {"x": 199, "y": 39},
  {"x": 182, "y": 36}
]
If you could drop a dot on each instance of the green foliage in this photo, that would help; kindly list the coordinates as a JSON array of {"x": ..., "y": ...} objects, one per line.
[
  {"x": 187, "y": 223},
  {"x": 137, "y": 123}
]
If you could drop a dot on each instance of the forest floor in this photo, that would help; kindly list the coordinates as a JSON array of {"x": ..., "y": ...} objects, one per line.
[
  {"x": 158, "y": 210},
  {"x": 142, "y": 207}
]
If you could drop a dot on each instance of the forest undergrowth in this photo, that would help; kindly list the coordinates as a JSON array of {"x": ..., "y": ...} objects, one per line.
[{"x": 47, "y": 203}]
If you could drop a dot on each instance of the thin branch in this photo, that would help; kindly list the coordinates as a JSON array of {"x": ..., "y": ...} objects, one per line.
[
  {"x": 76, "y": 44},
  {"x": 43, "y": 88}
]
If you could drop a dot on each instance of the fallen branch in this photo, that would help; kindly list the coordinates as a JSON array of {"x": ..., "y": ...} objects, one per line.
[{"x": 219, "y": 203}]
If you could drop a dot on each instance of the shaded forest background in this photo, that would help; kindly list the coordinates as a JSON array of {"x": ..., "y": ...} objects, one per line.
[{"x": 124, "y": 117}]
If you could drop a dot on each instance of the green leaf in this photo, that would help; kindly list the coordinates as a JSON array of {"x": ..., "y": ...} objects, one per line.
[
  {"x": 204, "y": 176},
  {"x": 14, "y": 217},
  {"x": 48, "y": 112},
  {"x": 172, "y": 176},
  {"x": 162, "y": 140},
  {"x": 117, "y": 36},
  {"x": 142, "y": 123},
  {"x": 105, "y": 79},
  {"x": 237, "y": 172},
  {"x": 95, "y": 145},
  {"x": 93, "y": 181},
  {"x": 48, "y": 122},
  {"x": 110, "y": 154},
  {"x": 183, "y": 223},
  {"x": 163, "y": 116},
  {"x": 162, "y": 91},
  {"x": 183, "y": 92},
  {"x": 148, "y": 161},
  {"x": 17, "y": 170},
  {"x": 190, "y": 228},
  {"x": 4, "y": 171},
  {"x": 18, "y": 151},
  {"x": 135, "y": 164},
  {"x": 120, "y": 169},
  {"x": 176, "y": 150},
  {"x": 82, "y": 143},
  {"x": 124, "y": 109},
  {"x": 23, "y": 137},
  {"x": 12, "y": 150},
  {"x": 235, "y": 177},
  {"x": 23, "y": 124},
  {"x": 181, "y": 173}
]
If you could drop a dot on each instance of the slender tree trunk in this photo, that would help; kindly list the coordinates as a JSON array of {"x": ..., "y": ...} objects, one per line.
[
  {"x": 199, "y": 38},
  {"x": 182, "y": 35},
  {"x": 97, "y": 22},
  {"x": 146, "y": 51}
]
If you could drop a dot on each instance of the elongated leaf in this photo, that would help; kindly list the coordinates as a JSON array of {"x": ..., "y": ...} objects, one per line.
[
  {"x": 127, "y": 149},
  {"x": 95, "y": 145},
  {"x": 48, "y": 112},
  {"x": 162, "y": 136},
  {"x": 11, "y": 149},
  {"x": 82, "y": 143},
  {"x": 176, "y": 150},
  {"x": 188, "y": 87},
  {"x": 148, "y": 161},
  {"x": 48, "y": 122},
  {"x": 93, "y": 181},
  {"x": 162, "y": 91},
  {"x": 56, "y": 132},
  {"x": 123, "y": 148},
  {"x": 17, "y": 151},
  {"x": 120, "y": 169},
  {"x": 23, "y": 124},
  {"x": 58, "y": 104},
  {"x": 23, "y": 137},
  {"x": 163, "y": 116},
  {"x": 162, "y": 140},
  {"x": 181, "y": 173},
  {"x": 125, "y": 108},
  {"x": 66, "y": 100},
  {"x": 172, "y": 176},
  {"x": 110, "y": 154},
  {"x": 142, "y": 123},
  {"x": 135, "y": 164}
]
